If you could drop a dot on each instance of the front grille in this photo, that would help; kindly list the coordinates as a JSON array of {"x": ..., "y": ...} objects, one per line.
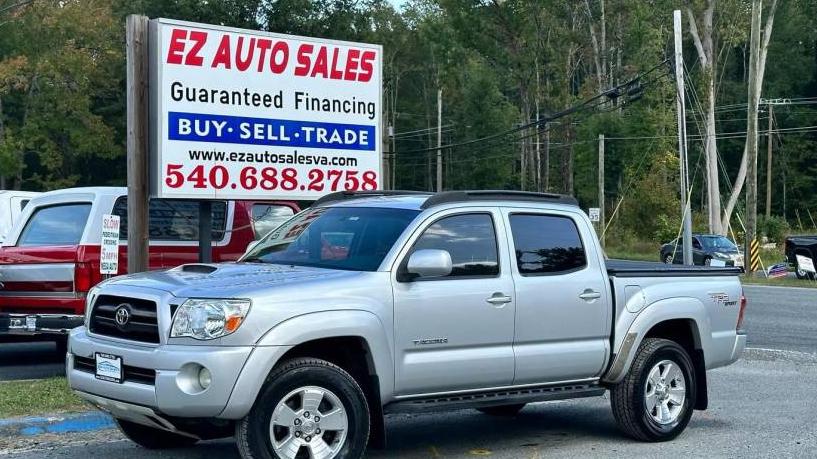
[
  {"x": 141, "y": 324},
  {"x": 129, "y": 373}
]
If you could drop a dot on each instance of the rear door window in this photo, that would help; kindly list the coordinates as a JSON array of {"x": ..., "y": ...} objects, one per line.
[
  {"x": 56, "y": 225},
  {"x": 546, "y": 244},
  {"x": 174, "y": 220},
  {"x": 267, "y": 217}
]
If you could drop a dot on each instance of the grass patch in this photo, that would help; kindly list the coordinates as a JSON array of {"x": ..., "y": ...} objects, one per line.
[
  {"x": 780, "y": 282},
  {"x": 27, "y": 398}
]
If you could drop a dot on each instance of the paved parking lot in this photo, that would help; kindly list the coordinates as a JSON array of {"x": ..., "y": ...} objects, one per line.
[{"x": 761, "y": 406}]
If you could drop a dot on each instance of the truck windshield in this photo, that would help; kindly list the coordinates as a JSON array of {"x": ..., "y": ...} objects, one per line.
[{"x": 350, "y": 238}]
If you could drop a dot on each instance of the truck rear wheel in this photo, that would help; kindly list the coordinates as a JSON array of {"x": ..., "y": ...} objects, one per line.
[
  {"x": 654, "y": 401},
  {"x": 307, "y": 408},
  {"x": 152, "y": 438}
]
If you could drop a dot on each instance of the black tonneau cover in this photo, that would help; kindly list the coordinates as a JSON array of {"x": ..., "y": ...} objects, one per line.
[{"x": 627, "y": 268}]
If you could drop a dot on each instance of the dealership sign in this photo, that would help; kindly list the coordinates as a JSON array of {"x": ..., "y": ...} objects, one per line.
[{"x": 238, "y": 114}]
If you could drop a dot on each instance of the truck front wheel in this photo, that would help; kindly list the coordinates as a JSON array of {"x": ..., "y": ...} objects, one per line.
[
  {"x": 307, "y": 408},
  {"x": 654, "y": 401}
]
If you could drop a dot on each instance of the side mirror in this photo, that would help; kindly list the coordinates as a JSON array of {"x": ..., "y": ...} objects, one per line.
[{"x": 429, "y": 263}]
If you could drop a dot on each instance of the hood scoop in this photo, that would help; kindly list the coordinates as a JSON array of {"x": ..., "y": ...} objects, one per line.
[{"x": 198, "y": 268}]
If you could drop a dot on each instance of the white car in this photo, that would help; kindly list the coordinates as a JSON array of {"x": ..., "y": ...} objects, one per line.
[{"x": 12, "y": 203}]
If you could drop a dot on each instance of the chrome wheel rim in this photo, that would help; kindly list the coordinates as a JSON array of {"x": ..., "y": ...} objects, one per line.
[
  {"x": 665, "y": 392},
  {"x": 309, "y": 418}
]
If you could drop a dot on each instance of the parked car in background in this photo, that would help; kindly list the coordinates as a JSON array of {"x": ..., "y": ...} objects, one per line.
[
  {"x": 801, "y": 245},
  {"x": 51, "y": 256},
  {"x": 12, "y": 203},
  {"x": 705, "y": 248}
]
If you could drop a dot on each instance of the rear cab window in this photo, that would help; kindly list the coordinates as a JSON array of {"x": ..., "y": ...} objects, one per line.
[
  {"x": 174, "y": 220},
  {"x": 546, "y": 244},
  {"x": 61, "y": 224}
]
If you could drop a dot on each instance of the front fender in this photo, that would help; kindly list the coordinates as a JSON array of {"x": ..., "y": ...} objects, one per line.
[
  {"x": 684, "y": 308},
  {"x": 308, "y": 327}
]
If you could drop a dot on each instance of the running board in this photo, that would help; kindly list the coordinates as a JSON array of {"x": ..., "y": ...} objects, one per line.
[{"x": 495, "y": 398}]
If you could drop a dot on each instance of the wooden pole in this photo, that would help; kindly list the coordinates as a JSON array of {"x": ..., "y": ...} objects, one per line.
[
  {"x": 601, "y": 189},
  {"x": 769, "y": 163},
  {"x": 686, "y": 208},
  {"x": 136, "y": 33},
  {"x": 751, "y": 134}
]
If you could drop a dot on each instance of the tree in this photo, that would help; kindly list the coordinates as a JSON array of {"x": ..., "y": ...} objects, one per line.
[{"x": 58, "y": 60}]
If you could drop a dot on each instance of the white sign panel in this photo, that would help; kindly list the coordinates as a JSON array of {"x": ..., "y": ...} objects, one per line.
[
  {"x": 594, "y": 213},
  {"x": 239, "y": 114},
  {"x": 109, "y": 256},
  {"x": 805, "y": 264}
]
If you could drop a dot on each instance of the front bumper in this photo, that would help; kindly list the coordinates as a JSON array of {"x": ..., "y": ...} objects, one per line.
[
  {"x": 38, "y": 324},
  {"x": 168, "y": 394}
]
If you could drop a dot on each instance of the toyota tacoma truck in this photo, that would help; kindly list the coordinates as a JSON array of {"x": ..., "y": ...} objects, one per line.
[{"x": 374, "y": 303}]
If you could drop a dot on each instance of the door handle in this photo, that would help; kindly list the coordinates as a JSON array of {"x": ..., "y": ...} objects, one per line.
[
  {"x": 498, "y": 299},
  {"x": 590, "y": 295}
]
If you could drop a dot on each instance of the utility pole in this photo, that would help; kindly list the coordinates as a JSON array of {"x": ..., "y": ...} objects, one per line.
[
  {"x": 601, "y": 189},
  {"x": 386, "y": 159},
  {"x": 751, "y": 173},
  {"x": 439, "y": 140},
  {"x": 769, "y": 163},
  {"x": 546, "y": 162},
  {"x": 686, "y": 208},
  {"x": 136, "y": 37}
]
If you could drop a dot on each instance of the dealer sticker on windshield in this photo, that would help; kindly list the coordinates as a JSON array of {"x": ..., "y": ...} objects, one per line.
[{"x": 108, "y": 367}]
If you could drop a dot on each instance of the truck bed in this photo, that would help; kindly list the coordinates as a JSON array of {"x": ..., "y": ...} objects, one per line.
[{"x": 627, "y": 268}]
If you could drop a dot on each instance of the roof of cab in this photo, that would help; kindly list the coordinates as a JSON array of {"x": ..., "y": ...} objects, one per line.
[{"x": 421, "y": 200}]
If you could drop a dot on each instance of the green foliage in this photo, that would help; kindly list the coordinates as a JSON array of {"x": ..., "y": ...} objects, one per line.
[
  {"x": 498, "y": 64},
  {"x": 774, "y": 228}
]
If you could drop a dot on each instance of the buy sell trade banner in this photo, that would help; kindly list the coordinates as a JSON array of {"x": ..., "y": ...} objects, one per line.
[{"x": 240, "y": 114}]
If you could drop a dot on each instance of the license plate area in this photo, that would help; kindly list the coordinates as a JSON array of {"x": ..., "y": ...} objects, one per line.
[{"x": 108, "y": 367}]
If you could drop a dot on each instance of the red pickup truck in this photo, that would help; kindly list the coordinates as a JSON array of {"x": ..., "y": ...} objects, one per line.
[{"x": 51, "y": 256}]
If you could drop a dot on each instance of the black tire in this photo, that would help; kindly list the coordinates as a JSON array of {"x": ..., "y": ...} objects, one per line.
[
  {"x": 802, "y": 275},
  {"x": 628, "y": 400},
  {"x": 668, "y": 259},
  {"x": 503, "y": 410},
  {"x": 707, "y": 261},
  {"x": 252, "y": 433},
  {"x": 151, "y": 438}
]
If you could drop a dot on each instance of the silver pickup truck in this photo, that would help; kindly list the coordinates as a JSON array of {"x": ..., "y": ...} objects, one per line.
[{"x": 381, "y": 302}]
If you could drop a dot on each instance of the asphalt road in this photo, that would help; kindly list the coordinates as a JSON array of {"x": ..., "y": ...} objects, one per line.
[
  {"x": 777, "y": 318},
  {"x": 781, "y": 318},
  {"x": 761, "y": 406}
]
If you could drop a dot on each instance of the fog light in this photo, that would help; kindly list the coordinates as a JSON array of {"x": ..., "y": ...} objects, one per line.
[{"x": 204, "y": 378}]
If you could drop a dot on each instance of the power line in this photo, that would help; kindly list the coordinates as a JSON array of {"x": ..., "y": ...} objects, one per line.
[{"x": 612, "y": 93}]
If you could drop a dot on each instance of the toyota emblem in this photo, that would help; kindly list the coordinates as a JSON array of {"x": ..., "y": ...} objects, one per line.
[{"x": 122, "y": 315}]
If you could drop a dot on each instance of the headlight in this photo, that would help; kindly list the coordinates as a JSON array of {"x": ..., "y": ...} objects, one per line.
[
  {"x": 721, "y": 255},
  {"x": 208, "y": 318}
]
